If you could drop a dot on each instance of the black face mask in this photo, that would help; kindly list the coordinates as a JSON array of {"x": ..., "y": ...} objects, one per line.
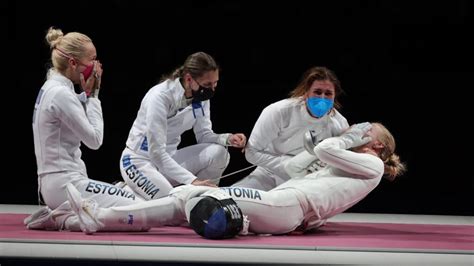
[{"x": 202, "y": 94}]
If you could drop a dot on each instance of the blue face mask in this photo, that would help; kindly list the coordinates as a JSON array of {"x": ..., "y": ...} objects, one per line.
[{"x": 319, "y": 106}]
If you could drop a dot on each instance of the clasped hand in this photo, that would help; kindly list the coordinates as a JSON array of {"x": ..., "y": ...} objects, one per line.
[
  {"x": 237, "y": 140},
  {"x": 92, "y": 85}
]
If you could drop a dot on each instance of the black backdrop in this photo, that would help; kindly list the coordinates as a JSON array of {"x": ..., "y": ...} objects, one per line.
[{"x": 405, "y": 64}]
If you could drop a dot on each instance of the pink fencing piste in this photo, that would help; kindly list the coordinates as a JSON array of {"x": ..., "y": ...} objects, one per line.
[{"x": 332, "y": 236}]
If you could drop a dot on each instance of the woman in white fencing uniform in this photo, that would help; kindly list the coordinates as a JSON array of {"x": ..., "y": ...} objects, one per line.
[
  {"x": 62, "y": 120},
  {"x": 355, "y": 163},
  {"x": 278, "y": 133},
  {"x": 151, "y": 164}
]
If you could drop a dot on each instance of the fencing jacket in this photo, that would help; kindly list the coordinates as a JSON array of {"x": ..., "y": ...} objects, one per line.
[
  {"x": 61, "y": 122},
  {"x": 347, "y": 179},
  {"x": 162, "y": 118},
  {"x": 278, "y": 133}
]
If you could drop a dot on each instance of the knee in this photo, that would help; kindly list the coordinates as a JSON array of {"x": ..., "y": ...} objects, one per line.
[{"x": 218, "y": 156}]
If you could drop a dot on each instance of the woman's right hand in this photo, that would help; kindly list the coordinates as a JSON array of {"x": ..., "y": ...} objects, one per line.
[
  {"x": 207, "y": 183},
  {"x": 356, "y": 135},
  {"x": 92, "y": 85}
]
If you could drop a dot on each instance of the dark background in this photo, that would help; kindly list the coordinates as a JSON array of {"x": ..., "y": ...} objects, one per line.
[{"x": 407, "y": 64}]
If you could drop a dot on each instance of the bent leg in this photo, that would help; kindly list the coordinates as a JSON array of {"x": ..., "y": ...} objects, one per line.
[
  {"x": 61, "y": 216},
  {"x": 143, "y": 177},
  {"x": 205, "y": 160}
]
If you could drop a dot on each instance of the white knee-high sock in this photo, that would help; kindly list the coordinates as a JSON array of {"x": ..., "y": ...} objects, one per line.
[{"x": 142, "y": 216}]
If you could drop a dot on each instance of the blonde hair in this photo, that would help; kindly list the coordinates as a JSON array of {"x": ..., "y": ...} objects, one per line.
[
  {"x": 321, "y": 74},
  {"x": 63, "y": 47},
  {"x": 392, "y": 164}
]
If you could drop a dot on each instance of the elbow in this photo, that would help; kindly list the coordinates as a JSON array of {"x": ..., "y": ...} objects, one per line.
[
  {"x": 95, "y": 145},
  {"x": 366, "y": 173},
  {"x": 374, "y": 182},
  {"x": 375, "y": 171},
  {"x": 320, "y": 152}
]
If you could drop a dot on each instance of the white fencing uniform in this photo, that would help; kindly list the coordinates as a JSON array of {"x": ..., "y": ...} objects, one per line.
[
  {"x": 347, "y": 179},
  {"x": 302, "y": 203},
  {"x": 151, "y": 164},
  {"x": 278, "y": 135},
  {"x": 306, "y": 201},
  {"x": 61, "y": 121}
]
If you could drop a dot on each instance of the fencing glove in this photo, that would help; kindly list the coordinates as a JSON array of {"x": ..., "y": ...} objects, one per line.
[{"x": 356, "y": 135}]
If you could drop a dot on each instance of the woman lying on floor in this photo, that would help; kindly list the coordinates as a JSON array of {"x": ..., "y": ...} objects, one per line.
[{"x": 356, "y": 162}]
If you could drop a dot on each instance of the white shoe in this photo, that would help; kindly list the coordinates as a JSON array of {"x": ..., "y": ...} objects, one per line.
[
  {"x": 47, "y": 219},
  {"x": 42, "y": 211},
  {"x": 84, "y": 209},
  {"x": 41, "y": 220}
]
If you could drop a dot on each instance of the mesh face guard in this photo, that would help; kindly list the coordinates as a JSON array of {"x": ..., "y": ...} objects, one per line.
[{"x": 216, "y": 219}]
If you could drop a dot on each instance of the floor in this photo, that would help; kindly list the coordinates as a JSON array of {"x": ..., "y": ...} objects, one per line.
[{"x": 340, "y": 242}]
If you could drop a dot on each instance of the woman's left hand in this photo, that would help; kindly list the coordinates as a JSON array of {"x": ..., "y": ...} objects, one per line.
[
  {"x": 237, "y": 140},
  {"x": 92, "y": 85}
]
